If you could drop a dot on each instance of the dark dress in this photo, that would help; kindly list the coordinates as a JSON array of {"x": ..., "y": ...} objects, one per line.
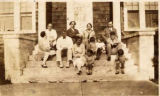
[{"x": 73, "y": 34}]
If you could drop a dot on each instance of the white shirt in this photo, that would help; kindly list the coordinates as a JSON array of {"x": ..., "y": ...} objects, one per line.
[
  {"x": 64, "y": 43},
  {"x": 51, "y": 35}
]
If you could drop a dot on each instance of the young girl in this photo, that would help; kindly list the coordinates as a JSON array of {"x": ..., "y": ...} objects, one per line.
[
  {"x": 78, "y": 55},
  {"x": 90, "y": 58},
  {"x": 100, "y": 47}
]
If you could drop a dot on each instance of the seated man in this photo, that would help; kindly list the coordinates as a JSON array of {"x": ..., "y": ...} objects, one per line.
[
  {"x": 64, "y": 43},
  {"x": 113, "y": 45},
  {"x": 44, "y": 46}
]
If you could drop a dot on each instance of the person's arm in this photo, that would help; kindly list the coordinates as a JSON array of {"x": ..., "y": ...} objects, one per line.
[
  {"x": 55, "y": 34},
  {"x": 58, "y": 44},
  {"x": 73, "y": 50},
  {"x": 70, "y": 43},
  {"x": 83, "y": 48}
]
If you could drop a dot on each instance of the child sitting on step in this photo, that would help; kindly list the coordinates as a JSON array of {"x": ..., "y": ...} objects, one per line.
[
  {"x": 100, "y": 46},
  {"x": 92, "y": 44},
  {"x": 120, "y": 62},
  {"x": 90, "y": 59}
]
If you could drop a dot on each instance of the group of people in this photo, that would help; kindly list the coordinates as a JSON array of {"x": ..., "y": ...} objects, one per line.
[{"x": 81, "y": 49}]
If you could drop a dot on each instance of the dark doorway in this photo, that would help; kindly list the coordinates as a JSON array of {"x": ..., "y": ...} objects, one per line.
[
  {"x": 56, "y": 14},
  {"x": 101, "y": 11}
]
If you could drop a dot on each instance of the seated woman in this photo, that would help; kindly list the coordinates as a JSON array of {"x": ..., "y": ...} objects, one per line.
[
  {"x": 78, "y": 54},
  {"x": 45, "y": 47}
]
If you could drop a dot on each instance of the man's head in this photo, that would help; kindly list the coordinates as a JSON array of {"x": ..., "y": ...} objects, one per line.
[
  {"x": 110, "y": 24},
  {"x": 120, "y": 52},
  {"x": 113, "y": 35},
  {"x": 64, "y": 34},
  {"x": 43, "y": 34},
  {"x": 49, "y": 26},
  {"x": 89, "y": 26},
  {"x": 72, "y": 24}
]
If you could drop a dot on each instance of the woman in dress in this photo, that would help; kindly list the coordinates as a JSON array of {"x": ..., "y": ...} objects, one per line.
[
  {"x": 87, "y": 34},
  {"x": 78, "y": 55}
]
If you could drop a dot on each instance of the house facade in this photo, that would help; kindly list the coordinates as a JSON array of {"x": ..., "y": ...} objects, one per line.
[{"x": 21, "y": 23}]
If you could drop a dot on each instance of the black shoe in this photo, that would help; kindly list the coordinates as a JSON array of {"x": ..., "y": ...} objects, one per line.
[
  {"x": 122, "y": 72},
  {"x": 117, "y": 72},
  {"x": 97, "y": 58},
  {"x": 109, "y": 58},
  {"x": 79, "y": 73},
  {"x": 44, "y": 66}
]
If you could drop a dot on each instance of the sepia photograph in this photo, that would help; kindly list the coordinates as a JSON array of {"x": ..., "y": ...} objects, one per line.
[{"x": 79, "y": 47}]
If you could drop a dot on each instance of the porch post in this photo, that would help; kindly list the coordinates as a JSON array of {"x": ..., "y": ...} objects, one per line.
[
  {"x": 17, "y": 17},
  {"x": 34, "y": 17},
  {"x": 41, "y": 17},
  {"x": 142, "y": 15},
  {"x": 116, "y": 18}
]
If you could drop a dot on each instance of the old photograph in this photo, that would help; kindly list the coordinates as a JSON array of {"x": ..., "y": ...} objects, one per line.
[{"x": 79, "y": 47}]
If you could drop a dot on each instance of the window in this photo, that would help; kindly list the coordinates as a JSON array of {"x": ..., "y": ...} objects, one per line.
[
  {"x": 151, "y": 12},
  {"x": 133, "y": 19},
  {"x": 133, "y": 14},
  {"x": 6, "y": 16},
  {"x": 26, "y": 15}
]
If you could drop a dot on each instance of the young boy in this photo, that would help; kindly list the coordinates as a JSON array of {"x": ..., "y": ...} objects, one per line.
[
  {"x": 90, "y": 58},
  {"x": 92, "y": 44},
  {"x": 120, "y": 62}
]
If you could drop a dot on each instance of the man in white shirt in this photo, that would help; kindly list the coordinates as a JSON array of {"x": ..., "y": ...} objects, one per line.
[
  {"x": 64, "y": 43},
  {"x": 113, "y": 45}
]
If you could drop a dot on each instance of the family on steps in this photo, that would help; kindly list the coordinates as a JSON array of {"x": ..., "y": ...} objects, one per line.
[{"x": 82, "y": 49}]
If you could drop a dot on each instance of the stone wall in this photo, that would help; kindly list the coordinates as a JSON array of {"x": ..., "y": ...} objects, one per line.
[
  {"x": 141, "y": 46},
  {"x": 101, "y": 11},
  {"x": 17, "y": 49}
]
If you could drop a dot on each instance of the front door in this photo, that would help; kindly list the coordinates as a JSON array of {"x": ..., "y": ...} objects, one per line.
[
  {"x": 102, "y": 13},
  {"x": 56, "y": 14}
]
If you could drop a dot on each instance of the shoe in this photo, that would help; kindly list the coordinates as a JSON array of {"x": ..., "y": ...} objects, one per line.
[
  {"x": 79, "y": 73},
  {"x": 117, "y": 72},
  {"x": 61, "y": 65},
  {"x": 97, "y": 58},
  {"x": 44, "y": 66},
  {"x": 67, "y": 65},
  {"x": 109, "y": 58},
  {"x": 122, "y": 71}
]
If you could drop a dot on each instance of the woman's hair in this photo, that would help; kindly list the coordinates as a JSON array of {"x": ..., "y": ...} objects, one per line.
[
  {"x": 43, "y": 34},
  {"x": 92, "y": 39},
  {"x": 72, "y": 22},
  {"x": 90, "y": 24}
]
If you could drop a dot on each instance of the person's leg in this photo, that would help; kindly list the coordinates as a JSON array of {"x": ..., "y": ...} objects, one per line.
[
  {"x": 99, "y": 52},
  {"x": 117, "y": 67},
  {"x": 79, "y": 69},
  {"x": 59, "y": 58},
  {"x": 108, "y": 51},
  {"x": 46, "y": 55},
  {"x": 69, "y": 57},
  {"x": 122, "y": 68}
]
